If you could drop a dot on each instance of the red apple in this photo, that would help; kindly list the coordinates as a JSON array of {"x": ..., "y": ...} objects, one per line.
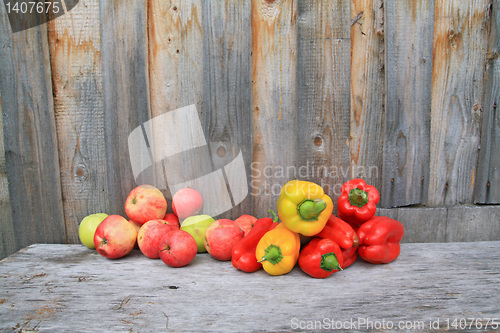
[
  {"x": 220, "y": 238},
  {"x": 178, "y": 248},
  {"x": 186, "y": 202},
  {"x": 115, "y": 237},
  {"x": 150, "y": 234},
  {"x": 171, "y": 217},
  {"x": 246, "y": 223},
  {"x": 145, "y": 203}
]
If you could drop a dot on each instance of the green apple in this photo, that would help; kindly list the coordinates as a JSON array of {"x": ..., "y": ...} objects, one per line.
[
  {"x": 87, "y": 228},
  {"x": 197, "y": 225}
]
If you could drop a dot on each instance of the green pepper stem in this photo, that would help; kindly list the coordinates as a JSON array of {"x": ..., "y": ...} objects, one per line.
[
  {"x": 272, "y": 254},
  {"x": 329, "y": 262},
  {"x": 358, "y": 197},
  {"x": 275, "y": 217},
  {"x": 309, "y": 210}
]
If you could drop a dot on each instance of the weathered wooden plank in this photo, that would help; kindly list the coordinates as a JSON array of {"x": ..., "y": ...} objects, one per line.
[
  {"x": 424, "y": 225},
  {"x": 367, "y": 90},
  {"x": 175, "y": 55},
  {"x": 323, "y": 93},
  {"x": 408, "y": 67},
  {"x": 30, "y": 143},
  {"x": 274, "y": 101},
  {"x": 75, "y": 55},
  {"x": 389, "y": 212},
  {"x": 469, "y": 223},
  {"x": 460, "y": 48},
  {"x": 7, "y": 237},
  {"x": 67, "y": 287},
  {"x": 227, "y": 91},
  {"x": 461, "y": 223},
  {"x": 124, "y": 54},
  {"x": 488, "y": 170},
  {"x": 175, "y": 70}
]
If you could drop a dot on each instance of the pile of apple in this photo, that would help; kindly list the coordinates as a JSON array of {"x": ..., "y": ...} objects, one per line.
[{"x": 175, "y": 238}]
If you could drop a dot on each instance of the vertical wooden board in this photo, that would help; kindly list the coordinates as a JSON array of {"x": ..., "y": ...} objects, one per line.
[
  {"x": 175, "y": 55},
  {"x": 468, "y": 223},
  {"x": 227, "y": 118},
  {"x": 367, "y": 90},
  {"x": 175, "y": 40},
  {"x": 124, "y": 54},
  {"x": 77, "y": 80},
  {"x": 30, "y": 141},
  {"x": 7, "y": 237},
  {"x": 460, "y": 48},
  {"x": 408, "y": 68},
  {"x": 488, "y": 169},
  {"x": 274, "y": 108},
  {"x": 323, "y": 93}
]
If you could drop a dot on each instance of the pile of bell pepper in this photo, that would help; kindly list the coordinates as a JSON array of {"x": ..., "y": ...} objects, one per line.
[{"x": 310, "y": 235}]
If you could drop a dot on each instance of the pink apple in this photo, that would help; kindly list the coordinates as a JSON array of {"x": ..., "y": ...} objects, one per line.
[
  {"x": 220, "y": 238},
  {"x": 171, "y": 217},
  {"x": 115, "y": 237},
  {"x": 246, "y": 223},
  {"x": 177, "y": 248},
  {"x": 150, "y": 234},
  {"x": 186, "y": 202},
  {"x": 145, "y": 203},
  {"x": 137, "y": 226}
]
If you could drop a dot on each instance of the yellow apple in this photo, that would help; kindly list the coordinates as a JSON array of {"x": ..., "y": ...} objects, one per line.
[
  {"x": 87, "y": 228},
  {"x": 196, "y": 226}
]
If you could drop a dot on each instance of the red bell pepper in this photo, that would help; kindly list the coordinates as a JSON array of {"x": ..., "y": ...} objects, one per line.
[
  {"x": 243, "y": 253},
  {"x": 340, "y": 232},
  {"x": 320, "y": 258},
  {"x": 357, "y": 201},
  {"x": 350, "y": 256},
  {"x": 379, "y": 238}
]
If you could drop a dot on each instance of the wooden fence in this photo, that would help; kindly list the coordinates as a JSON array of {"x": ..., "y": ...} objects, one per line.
[{"x": 402, "y": 93}]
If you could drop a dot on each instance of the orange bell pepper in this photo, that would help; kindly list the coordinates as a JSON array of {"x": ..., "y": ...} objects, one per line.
[{"x": 278, "y": 250}]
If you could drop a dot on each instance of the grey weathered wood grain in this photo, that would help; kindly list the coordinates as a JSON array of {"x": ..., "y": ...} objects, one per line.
[
  {"x": 323, "y": 93},
  {"x": 367, "y": 90},
  {"x": 75, "y": 54},
  {"x": 175, "y": 44},
  {"x": 70, "y": 288},
  {"x": 408, "y": 66},
  {"x": 389, "y": 212},
  {"x": 175, "y": 41},
  {"x": 466, "y": 223},
  {"x": 274, "y": 101},
  {"x": 460, "y": 48},
  {"x": 488, "y": 169},
  {"x": 422, "y": 224},
  {"x": 426, "y": 225},
  {"x": 461, "y": 223},
  {"x": 8, "y": 240},
  {"x": 124, "y": 58},
  {"x": 227, "y": 88},
  {"x": 31, "y": 152}
]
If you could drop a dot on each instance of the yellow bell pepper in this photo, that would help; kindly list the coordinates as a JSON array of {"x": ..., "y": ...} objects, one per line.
[
  {"x": 278, "y": 250},
  {"x": 304, "y": 207}
]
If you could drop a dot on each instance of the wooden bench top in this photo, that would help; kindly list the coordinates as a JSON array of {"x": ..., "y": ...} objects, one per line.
[{"x": 71, "y": 288}]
